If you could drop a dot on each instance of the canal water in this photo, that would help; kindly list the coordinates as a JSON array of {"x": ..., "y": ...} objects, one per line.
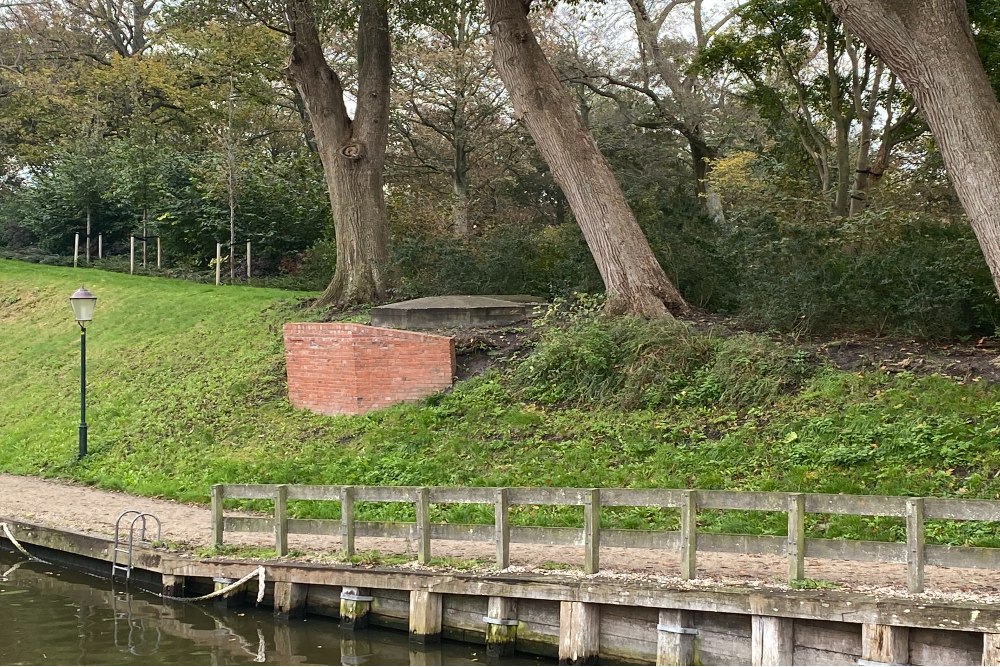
[{"x": 54, "y": 616}]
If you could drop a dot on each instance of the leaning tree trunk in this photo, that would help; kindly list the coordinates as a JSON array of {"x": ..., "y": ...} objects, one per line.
[
  {"x": 352, "y": 151},
  {"x": 634, "y": 281},
  {"x": 929, "y": 45}
]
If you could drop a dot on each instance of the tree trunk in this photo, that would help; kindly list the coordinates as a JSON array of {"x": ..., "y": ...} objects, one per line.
[
  {"x": 634, "y": 281},
  {"x": 352, "y": 150},
  {"x": 929, "y": 45}
]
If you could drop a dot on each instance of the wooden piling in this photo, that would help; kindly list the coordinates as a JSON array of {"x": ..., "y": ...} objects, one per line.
[
  {"x": 772, "y": 640},
  {"x": 675, "y": 635},
  {"x": 501, "y": 627},
  {"x": 356, "y": 649},
  {"x": 355, "y": 607},
  {"x": 289, "y": 599},
  {"x": 579, "y": 633},
  {"x": 426, "y": 613},
  {"x": 991, "y": 648},
  {"x": 885, "y": 644},
  {"x": 173, "y": 585},
  {"x": 233, "y": 597}
]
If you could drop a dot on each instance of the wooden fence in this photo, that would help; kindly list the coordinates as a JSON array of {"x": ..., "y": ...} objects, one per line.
[{"x": 795, "y": 546}]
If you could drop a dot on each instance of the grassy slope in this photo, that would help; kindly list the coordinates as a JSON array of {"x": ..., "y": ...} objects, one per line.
[{"x": 187, "y": 389}]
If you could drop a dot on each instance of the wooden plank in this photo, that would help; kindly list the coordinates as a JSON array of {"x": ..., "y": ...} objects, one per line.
[
  {"x": 675, "y": 637},
  {"x": 425, "y": 617},
  {"x": 315, "y": 492},
  {"x": 980, "y": 558},
  {"x": 501, "y": 527},
  {"x": 742, "y": 544},
  {"x": 249, "y": 491},
  {"x": 764, "y": 501},
  {"x": 829, "y": 636},
  {"x": 458, "y": 532},
  {"x": 642, "y": 497},
  {"x": 423, "y": 508},
  {"x": 543, "y": 496},
  {"x": 313, "y": 526},
  {"x": 281, "y": 519},
  {"x": 835, "y": 503},
  {"x": 640, "y": 539},
  {"x": 866, "y": 552},
  {"x": 391, "y": 529},
  {"x": 579, "y": 633},
  {"x": 771, "y": 640},
  {"x": 945, "y": 647},
  {"x": 689, "y": 535},
  {"x": 248, "y": 524},
  {"x": 795, "y": 547},
  {"x": 991, "y": 648},
  {"x": 813, "y": 656},
  {"x": 592, "y": 531},
  {"x": 385, "y": 494},
  {"x": 888, "y": 644},
  {"x": 915, "y": 545},
  {"x": 955, "y": 508},
  {"x": 552, "y": 536},
  {"x": 462, "y": 495}
]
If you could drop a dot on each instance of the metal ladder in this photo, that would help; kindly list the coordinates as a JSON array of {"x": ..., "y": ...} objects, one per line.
[{"x": 137, "y": 517}]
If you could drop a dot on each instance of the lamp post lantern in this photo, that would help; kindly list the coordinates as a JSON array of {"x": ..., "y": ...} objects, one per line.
[{"x": 83, "y": 303}]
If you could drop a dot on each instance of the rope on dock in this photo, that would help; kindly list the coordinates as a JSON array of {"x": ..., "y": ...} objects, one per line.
[
  {"x": 259, "y": 573},
  {"x": 17, "y": 545}
]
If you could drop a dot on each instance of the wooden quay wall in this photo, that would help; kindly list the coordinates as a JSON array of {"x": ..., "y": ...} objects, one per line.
[{"x": 580, "y": 618}]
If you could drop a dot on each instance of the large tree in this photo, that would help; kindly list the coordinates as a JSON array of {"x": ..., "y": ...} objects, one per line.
[
  {"x": 634, "y": 281},
  {"x": 929, "y": 45},
  {"x": 352, "y": 149}
]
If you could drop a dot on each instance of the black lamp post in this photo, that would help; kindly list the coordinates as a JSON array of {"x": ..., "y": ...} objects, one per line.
[{"x": 83, "y": 303}]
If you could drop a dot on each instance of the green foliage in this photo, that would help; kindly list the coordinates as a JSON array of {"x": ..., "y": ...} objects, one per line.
[
  {"x": 187, "y": 389},
  {"x": 630, "y": 363}
]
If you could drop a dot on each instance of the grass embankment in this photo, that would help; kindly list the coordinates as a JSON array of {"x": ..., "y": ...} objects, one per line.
[{"x": 186, "y": 389}]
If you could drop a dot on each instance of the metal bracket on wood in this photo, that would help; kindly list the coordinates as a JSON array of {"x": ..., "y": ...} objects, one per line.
[
  {"x": 356, "y": 598},
  {"x": 500, "y": 621},
  {"x": 676, "y": 629}
]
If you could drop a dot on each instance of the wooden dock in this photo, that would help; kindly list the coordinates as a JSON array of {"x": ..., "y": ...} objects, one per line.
[{"x": 580, "y": 618}]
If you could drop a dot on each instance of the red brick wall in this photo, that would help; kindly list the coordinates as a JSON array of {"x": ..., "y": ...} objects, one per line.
[{"x": 337, "y": 368}]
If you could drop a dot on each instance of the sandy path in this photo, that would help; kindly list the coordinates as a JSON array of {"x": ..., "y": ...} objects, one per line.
[{"x": 60, "y": 504}]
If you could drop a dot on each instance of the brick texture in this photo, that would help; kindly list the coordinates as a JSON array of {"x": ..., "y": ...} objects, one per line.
[{"x": 346, "y": 369}]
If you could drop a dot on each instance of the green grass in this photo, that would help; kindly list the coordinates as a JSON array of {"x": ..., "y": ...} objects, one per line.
[{"x": 186, "y": 389}]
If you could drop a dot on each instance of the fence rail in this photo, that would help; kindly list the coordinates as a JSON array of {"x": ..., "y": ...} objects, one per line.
[{"x": 795, "y": 546}]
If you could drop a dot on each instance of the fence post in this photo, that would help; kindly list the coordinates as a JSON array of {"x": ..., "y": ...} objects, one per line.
[
  {"x": 100, "y": 246},
  {"x": 218, "y": 264},
  {"x": 248, "y": 260},
  {"x": 915, "y": 545},
  {"x": 347, "y": 520},
  {"x": 795, "y": 547},
  {"x": 76, "y": 248},
  {"x": 689, "y": 534},
  {"x": 158, "y": 252},
  {"x": 281, "y": 519},
  {"x": 592, "y": 531},
  {"x": 423, "y": 525},
  {"x": 217, "y": 520},
  {"x": 131, "y": 254},
  {"x": 501, "y": 527}
]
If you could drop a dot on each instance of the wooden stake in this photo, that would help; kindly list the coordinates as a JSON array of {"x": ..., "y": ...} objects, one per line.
[
  {"x": 248, "y": 260},
  {"x": 131, "y": 254},
  {"x": 76, "y": 248},
  {"x": 218, "y": 264},
  {"x": 157, "y": 252}
]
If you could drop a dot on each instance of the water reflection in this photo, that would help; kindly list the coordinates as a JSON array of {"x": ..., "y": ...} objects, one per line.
[{"x": 54, "y": 616}]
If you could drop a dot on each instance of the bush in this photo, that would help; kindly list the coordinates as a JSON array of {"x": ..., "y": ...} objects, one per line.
[{"x": 632, "y": 363}]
